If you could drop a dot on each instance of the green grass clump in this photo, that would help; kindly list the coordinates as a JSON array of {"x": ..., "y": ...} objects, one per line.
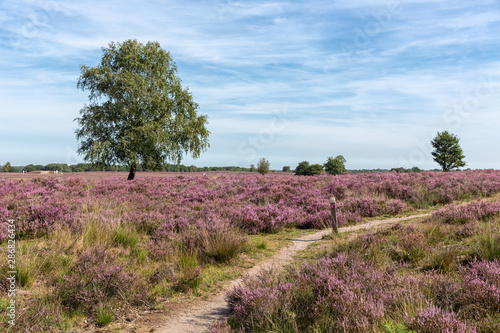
[
  {"x": 125, "y": 237},
  {"x": 104, "y": 316},
  {"x": 392, "y": 327},
  {"x": 487, "y": 242},
  {"x": 262, "y": 245},
  {"x": 188, "y": 271}
]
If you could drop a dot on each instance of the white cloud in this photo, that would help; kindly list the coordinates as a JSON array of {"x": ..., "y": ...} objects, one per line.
[{"x": 245, "y": 60}]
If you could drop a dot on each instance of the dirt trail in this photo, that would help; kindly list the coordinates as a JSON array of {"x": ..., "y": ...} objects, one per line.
[{"x": 196, "y": 318}]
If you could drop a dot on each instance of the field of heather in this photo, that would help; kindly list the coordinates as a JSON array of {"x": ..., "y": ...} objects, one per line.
[{"x": 94, "y": 250}]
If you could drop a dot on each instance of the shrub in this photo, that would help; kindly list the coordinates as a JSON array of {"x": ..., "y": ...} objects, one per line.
[
  {"x": 468, "y": 213},
  {"x": 394, "y": 207},
  {"x": 218, "y": 240},
  {"x": 366, "y": 207},
  {"x": 263, "y": 166},
  {"x": 434, "y": 320},
  {"x": 44, "y": 218},
  {"x": 97, "y": 277},
  {"x": 335, "y": 166},
  {"x": 303, "y": 169},
  {"x": 474, "y": 293},
  {"x": 316, "y": 169},
  {"x": 306, "y": 169},
  {"x": 40, "y": 315},
  {"x": 269, "y": 218},
  {"x": 342, "y": 293},
  {"x": 480, "y": 288},
  {"x": 411, "y": 245}
]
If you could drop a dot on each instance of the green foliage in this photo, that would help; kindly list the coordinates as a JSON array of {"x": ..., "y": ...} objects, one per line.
[
  {"x": 305, "y": 169},
  {"x": 335, "y": 166},
  {"x": 447, "y": 151},
  {"x": 403, "y": 170},
  {"x": 287, "y": 169},
  {"x": 220, "y": 244},
  {"x": 252, "y": 167},
  {"x": 316, "y": 169},
  {"x": 262, "y": 245},
  {"x": 81, "y": 167},
  {"x": 189, "y": 272},
  {"x": 25, "y": 272},
  {"x": 138, "y": 112},
  {"x": 8, "y": 168},
  {"x": 487, "y": 243},
  {"x": 104, "y": 316},
  {"x": 263, "y": 166},
  {"x": 391, "y": 327},
  {"x": 443, "y": 260},
  {"x": 61, "y": 167},
  {"x": 125, "y": 237},
  {"x": 32, "y": 167}
]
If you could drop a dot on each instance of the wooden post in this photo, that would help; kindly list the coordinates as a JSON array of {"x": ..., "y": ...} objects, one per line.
[{"x": 334, "y": 215}]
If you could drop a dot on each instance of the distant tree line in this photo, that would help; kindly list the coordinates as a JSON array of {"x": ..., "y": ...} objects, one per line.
[{"x": 81, "y": 167}]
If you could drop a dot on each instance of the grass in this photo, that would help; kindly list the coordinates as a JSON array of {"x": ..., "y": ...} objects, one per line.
[
  {"x": 124, "y": 236},
  {"x": 213, "y": 277},
  {"x": 104, "y": 316},
  {"x": 222, "y": 245},
  {"x": 487, "y": 242},
  {"x": 4, "y": 303},
  {"x": 392, "y": 327},
  {"x": 189, "y": 272},
  {"x": 262, "y": 245}
]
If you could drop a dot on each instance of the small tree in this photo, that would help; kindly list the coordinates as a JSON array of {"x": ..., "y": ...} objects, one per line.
[
  {"x": 316, "y": 169},
  {"x": 303, "y": 169},
  {"x": 306, "y": 169},
  {"x": 252, "y": 167},
  {"x": 335, "y": 166},
  {"x": 139, "y": 113},
  {"x": 7, "y": 167},
  {"x": 447, "y": 151},
  {"x": 286, "y": 168},
  {"x": 263, "y": 166}
]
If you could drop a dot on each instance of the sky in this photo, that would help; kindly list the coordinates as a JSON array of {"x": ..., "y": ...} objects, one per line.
[{"x": 290, "y": 81}]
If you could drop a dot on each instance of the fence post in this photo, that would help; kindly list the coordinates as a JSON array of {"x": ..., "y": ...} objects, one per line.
[{"x": 334, "y": 215}]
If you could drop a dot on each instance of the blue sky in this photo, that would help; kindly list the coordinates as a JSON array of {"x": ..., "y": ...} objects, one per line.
[{"x": 287, "y": 80}]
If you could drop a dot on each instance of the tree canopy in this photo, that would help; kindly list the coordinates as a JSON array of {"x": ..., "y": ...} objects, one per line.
[
  {"x": 263, "y": 166},
  {"x": 303, "y": 169},
  {"x": 447, "y": 151},
  {"x": 335, "y": 166},
  {"x": 139, "y": 113},
  {"x": 306, "y": 169},
  {"x": 8, "y": 168}
]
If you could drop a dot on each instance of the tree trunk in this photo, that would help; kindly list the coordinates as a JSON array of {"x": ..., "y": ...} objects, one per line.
[{"x": 131, "y": 174}]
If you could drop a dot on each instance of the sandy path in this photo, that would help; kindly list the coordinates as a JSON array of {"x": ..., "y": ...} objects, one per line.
[{"x": 196, "y": 318}]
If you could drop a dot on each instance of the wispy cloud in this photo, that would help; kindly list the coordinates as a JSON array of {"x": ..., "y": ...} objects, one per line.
[{"x": 366, "y": 79}]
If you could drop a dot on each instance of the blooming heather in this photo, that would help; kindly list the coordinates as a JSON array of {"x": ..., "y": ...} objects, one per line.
[{"x": 250, "y": 202}]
